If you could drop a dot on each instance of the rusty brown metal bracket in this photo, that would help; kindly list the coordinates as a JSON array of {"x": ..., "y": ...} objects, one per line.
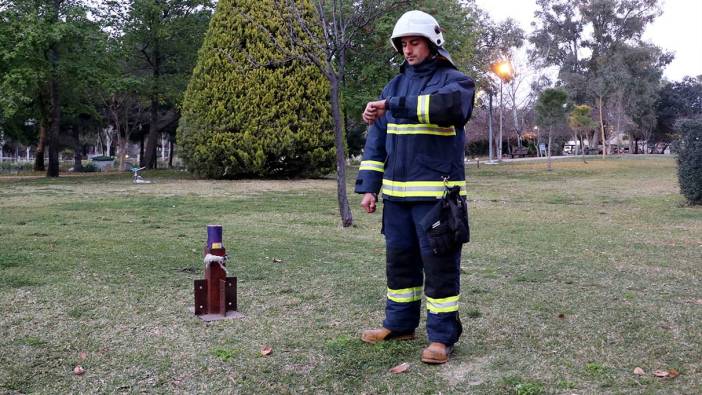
[{"x": 215, "y": 296}]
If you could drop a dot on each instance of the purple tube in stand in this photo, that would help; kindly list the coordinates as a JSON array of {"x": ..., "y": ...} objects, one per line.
[{"x": 214, "y": 237}]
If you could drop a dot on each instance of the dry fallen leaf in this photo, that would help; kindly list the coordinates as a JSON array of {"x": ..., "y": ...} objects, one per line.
[
  {"x": 266, "y": 350},
  {"x": 639, "y": 371},
  {"x": 401, "y": 368},
  {"x": 673, "y": 373},
  {"x": 83, "y": 355},
  {"x": 78, "y": 370},
  {"x": 661, "y": 373}
]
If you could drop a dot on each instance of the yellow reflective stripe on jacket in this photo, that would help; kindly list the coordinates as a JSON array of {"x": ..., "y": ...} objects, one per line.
[
  {"x": 443, "y": 305},
  {"x": 419, "y": 188},
  {"x": 405, "y": 295},
  {"x": 372, "y": 165},
  {"x": 421, "y": 128},
  {"x": 423, "y": 108}
]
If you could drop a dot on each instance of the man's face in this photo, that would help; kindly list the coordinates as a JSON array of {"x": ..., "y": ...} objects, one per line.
[{"x": 415, "y": 49}]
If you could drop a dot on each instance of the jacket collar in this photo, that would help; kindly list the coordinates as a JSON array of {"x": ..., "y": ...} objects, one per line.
[
  {"x": 425, "y": 68},
  {"x": 420, "y": 70}
]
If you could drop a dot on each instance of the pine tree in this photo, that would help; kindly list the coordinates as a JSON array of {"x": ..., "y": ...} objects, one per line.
[
  {"x": 690, "y": 160},
  {"x": 250, "y": 111}
]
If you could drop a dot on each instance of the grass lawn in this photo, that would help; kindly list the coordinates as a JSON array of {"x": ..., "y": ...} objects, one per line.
[{"x": 573, "y": 278}]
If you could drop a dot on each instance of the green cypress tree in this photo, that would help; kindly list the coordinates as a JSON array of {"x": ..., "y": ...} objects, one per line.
[
  {"x": 690, "y": 160},
  {"x": 251, "y": 109}
]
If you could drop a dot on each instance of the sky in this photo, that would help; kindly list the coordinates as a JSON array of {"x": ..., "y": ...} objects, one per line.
[{"x": 678, "y": 29}]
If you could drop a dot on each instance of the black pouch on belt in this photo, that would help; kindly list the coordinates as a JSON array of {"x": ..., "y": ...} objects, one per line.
[{"x": 446, "y": 224}]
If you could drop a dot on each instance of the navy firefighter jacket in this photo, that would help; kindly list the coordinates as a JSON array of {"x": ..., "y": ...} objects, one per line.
[{"x": 419, "y": 142}]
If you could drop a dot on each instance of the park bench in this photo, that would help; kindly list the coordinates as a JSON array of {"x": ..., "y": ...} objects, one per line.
[{"x": 519, "y": 152}]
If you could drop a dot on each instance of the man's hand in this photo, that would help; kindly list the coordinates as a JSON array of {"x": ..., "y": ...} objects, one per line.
[
  {"x": 368, "y": 202},
  {"x": 373, "y": 111}
]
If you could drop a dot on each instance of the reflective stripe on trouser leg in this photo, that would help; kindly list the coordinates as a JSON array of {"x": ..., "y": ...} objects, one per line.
[
  {"x": 406, "y": 295},
  {"x": 443, "y": 305},
  {"x": 442, "y": 287},
  {"x": 403, "y": 269}
]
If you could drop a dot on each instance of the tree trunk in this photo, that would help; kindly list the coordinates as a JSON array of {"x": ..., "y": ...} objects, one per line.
[
  {"x": 595, "y": 141},
  {"x": 142, "y": 162},
  {"x": 124, "y": 147},
  {"x": 604, "y": 141},
  {"x": 108, "y": 142},
  {"x": 54, "y": 100},
  {"x": 633, "y": 146},
  {"x": 171, "y": 147},
  {"x": 164, "y": 141},
  {"x": 517, "y": 129},
  {"x": 344, "y": 209},
  {"x": 619, "y": 125},
  {"x": 150, "y": 155},
  {"x": 54, "y": 118},
  {"x": 548, "y": 151},
  {"x": 121, "y": 145},
  {"x": 39, "y": 156},
  {"x": 77, "y": 151}
]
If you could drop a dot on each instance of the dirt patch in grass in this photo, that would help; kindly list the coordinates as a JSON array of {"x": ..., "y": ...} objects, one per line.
[{"x": 466, "y": 372}]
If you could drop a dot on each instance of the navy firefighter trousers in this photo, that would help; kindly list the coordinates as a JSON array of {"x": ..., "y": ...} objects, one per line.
[{"x": 411, "y": 266}]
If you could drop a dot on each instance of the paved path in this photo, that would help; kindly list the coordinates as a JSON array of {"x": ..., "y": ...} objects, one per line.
[{"x": 484, "y": 161}]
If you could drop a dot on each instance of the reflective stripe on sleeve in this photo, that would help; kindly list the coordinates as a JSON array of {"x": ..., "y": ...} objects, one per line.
[
  {"x": 419, "y": 188},
  {"x": 405, "y": 295},
  {"x": 443, "y": 305},
  {"x": 423, "y": 108},
  {"x": 372, "y": 165},
  {"x": 421, "y": 128}
]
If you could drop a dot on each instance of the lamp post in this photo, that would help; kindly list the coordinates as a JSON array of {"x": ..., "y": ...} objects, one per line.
[
  {"x": 492, "y": 152},
  {"x": 503, "y": 69}
]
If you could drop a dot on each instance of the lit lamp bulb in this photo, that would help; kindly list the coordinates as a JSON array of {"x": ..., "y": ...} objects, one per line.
[{"x": 504, "y": 69}]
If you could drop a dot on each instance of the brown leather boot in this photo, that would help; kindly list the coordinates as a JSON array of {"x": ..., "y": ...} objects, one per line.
[
  {"x": 373, "y": 336},
  {"x": 436, "y": 353}
]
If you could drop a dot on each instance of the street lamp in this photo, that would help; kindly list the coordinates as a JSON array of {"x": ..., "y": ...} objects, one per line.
[
  {"x": 490, "y": 144},
  {"x": 503, "y": 69}
]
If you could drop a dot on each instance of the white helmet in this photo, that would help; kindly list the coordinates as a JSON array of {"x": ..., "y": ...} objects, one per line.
[{"x": 416, "y": 23}]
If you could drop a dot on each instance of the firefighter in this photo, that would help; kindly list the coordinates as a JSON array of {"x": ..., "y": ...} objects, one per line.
[{"x": 413, "y": 154}]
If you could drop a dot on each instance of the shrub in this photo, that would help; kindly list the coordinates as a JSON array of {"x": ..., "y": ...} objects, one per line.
[
  {"x": 89, "y": 168},
  {"x": 248, "y": 110},
  {"x": 16, "y": 167},
  {"x": 690, "y": 160},
  {"x": 102, "y": 158}
]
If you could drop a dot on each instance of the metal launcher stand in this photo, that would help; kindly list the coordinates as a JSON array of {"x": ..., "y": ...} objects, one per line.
[{"x": 215, "y": 296}]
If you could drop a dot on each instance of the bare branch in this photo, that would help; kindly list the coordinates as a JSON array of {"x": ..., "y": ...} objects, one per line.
[
  {"x": 302, "y": 23},
  {"x": 255, "y": 64},
  {"x": 362, "y": 19},
  {"x": 323, "y": 23},
  {"x": 146, "y": 55}
]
